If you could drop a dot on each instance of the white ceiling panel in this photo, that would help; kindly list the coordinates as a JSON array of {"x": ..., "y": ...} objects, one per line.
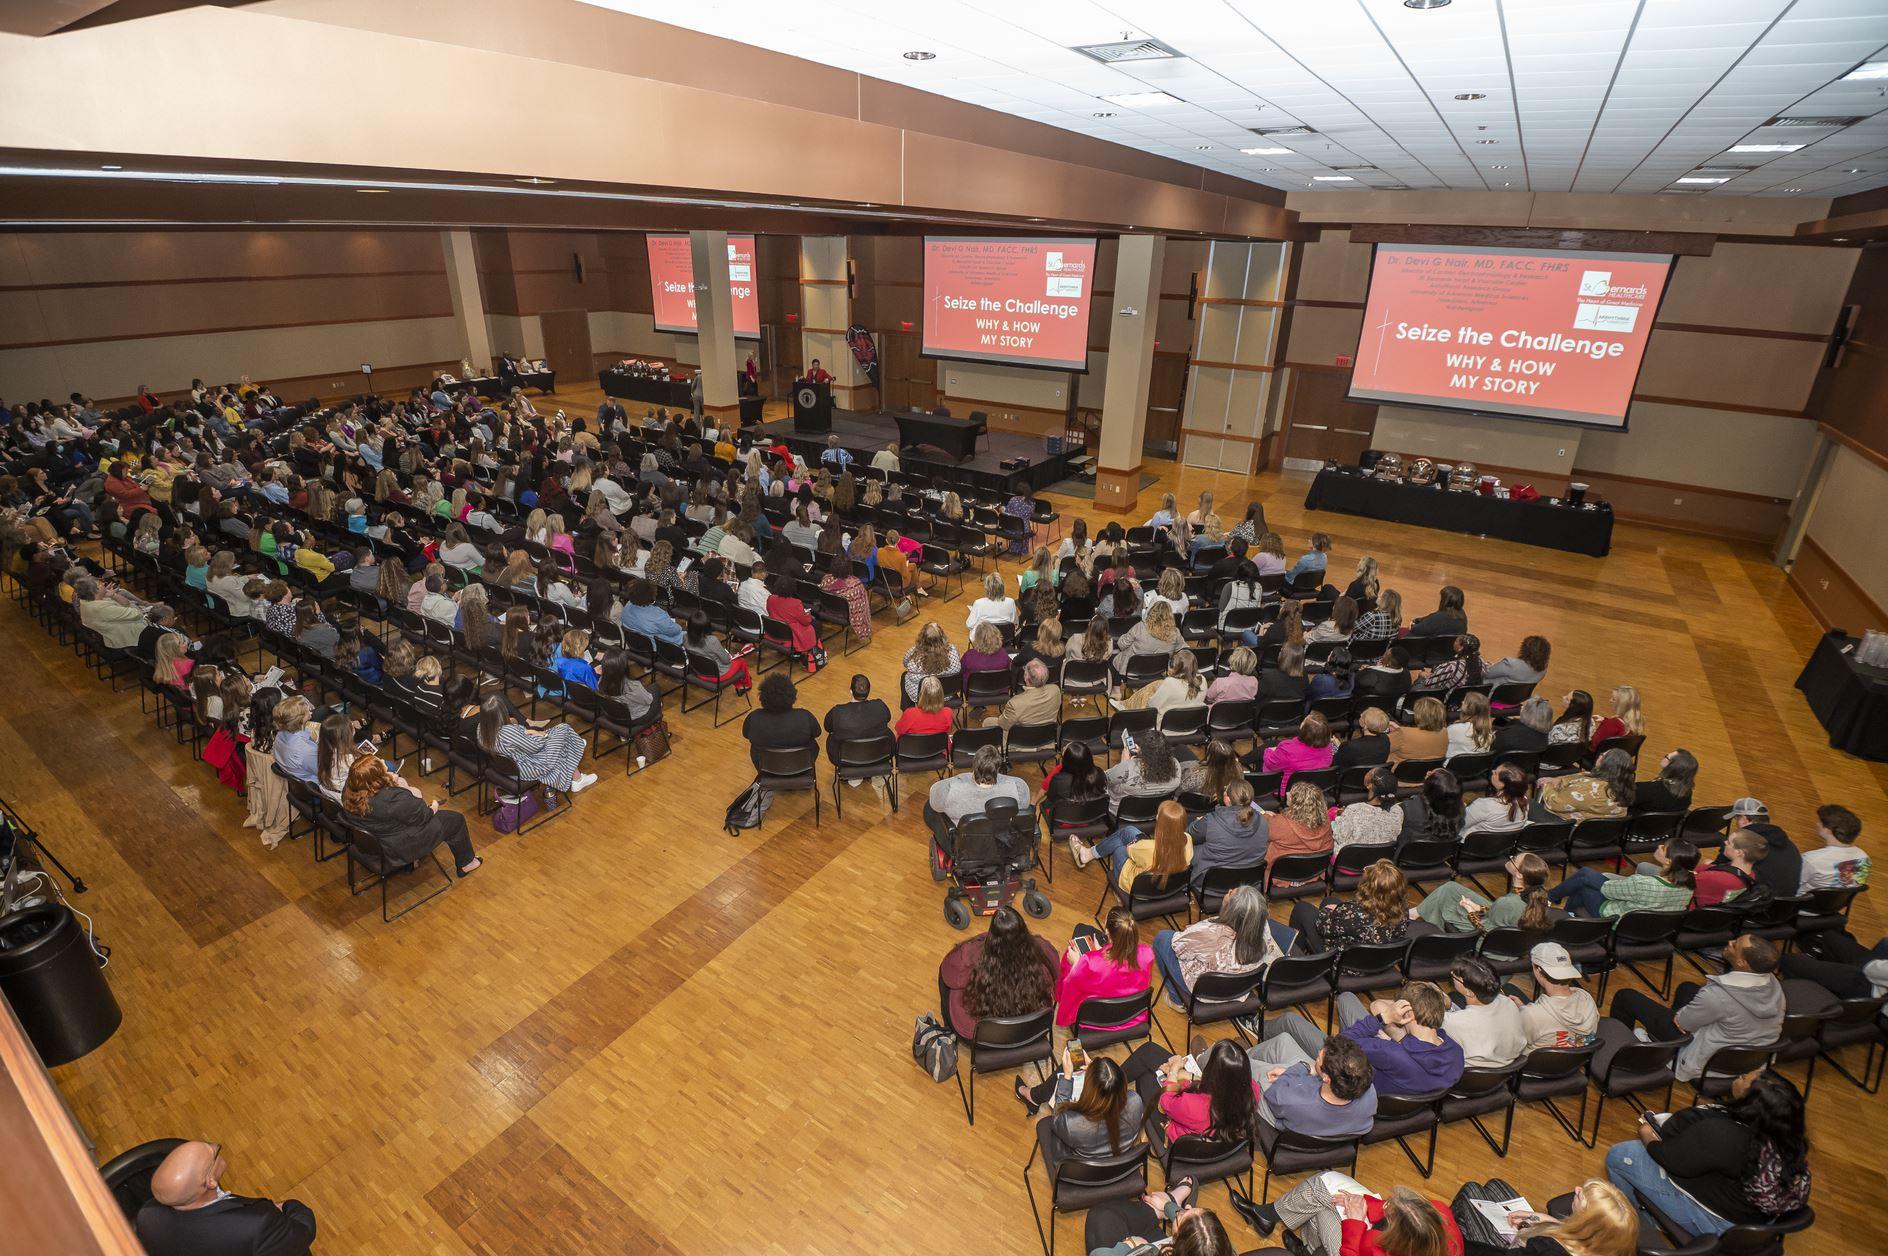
[{"x": 1586, "y": 95}]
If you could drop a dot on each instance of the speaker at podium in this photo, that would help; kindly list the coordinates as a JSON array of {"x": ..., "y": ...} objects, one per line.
[{"x": 812, "y": 405}]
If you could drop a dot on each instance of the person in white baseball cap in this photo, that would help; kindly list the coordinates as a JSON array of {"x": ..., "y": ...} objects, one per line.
[
  {"x": 1564, "y": 1015},
  {"x": 1781, "y": 865}
]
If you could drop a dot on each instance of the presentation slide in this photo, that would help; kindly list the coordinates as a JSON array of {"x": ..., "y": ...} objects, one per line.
[
  {"x": 1537, "y": 333},
  {"x": 1023, "y": 302},
  {"x": 672, "y": 284}
]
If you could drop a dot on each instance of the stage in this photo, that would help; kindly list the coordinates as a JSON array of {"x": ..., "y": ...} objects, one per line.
[{"x": 864, "y": 433}]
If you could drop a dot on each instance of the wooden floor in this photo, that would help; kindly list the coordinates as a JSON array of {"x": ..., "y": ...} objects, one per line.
[{"x": 633, "y": 1033}]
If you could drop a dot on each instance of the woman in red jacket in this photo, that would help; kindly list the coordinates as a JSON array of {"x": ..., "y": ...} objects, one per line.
[
  {"x": 791, "y": 611},
  {"x": 1353, "y": 1223}
]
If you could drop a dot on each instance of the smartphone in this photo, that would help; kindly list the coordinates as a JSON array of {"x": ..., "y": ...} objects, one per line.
[
  {"x": 1127, "y": 742},
  {"x": 1078, "y": 1058}
]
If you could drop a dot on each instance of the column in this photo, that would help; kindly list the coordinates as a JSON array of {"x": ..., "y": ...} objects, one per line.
[
  {"x": 714, "y": 326},
  {"x": 1235, "y": 355},
  {"x": 468, "y": 303},
  {"x": 826, "y": 312},
  {"x": 1130, "y": 362}
]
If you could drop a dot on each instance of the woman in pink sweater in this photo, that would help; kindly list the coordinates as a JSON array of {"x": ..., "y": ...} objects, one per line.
[
  {"x": 1309, "y": 751},
  {"x": 1124, "y": 966}
]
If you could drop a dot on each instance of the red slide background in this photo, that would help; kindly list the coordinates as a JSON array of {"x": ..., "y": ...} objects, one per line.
[
  {"x": 671, "y": 262},
  {"x": 1003, "y": 271},
  {"x": 1538, "y": 292}
]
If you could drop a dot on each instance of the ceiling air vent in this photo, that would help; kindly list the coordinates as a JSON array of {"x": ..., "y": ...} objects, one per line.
[
  {"x": 1830, "y": 122},
  {"x": 1270, "y": 131},
  {"x": 1128, "y": 50}
]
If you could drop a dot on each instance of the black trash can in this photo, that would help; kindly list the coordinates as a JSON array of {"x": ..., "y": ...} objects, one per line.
[{"x": 51, "y": 976}]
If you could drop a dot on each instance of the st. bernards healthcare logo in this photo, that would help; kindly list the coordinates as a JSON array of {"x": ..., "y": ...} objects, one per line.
[
  {"x": 1064, "y": 276},
  {"x": 1595, "y": 283}
]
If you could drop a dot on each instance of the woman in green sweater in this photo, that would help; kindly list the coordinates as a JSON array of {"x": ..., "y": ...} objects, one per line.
[{"x": 1461, "y": 908}]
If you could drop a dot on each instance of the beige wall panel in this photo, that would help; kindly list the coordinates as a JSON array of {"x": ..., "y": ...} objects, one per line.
[
  {"x": 1743, "y": 370},
  {"x": 1745, "y": 453},
  {"x": 1319, "y": 335},
  {"x": 1333, "y": 269},
  {"x": 1171, "y": 326},
  {"x": 1245, "y": 403},
  {"x": 1258, "y": 328},
  {"x": 1202, "y": 451},
  {"x": 1847, "y": 522},
  {"x": 977, "y": 381},
  {"x": 1218, "y": 334},
  {"x": 1092, "y": 388},
  {"x": 167, "y": 363},
  {"x": 515, "y": 333},
  {"x": 1773, "y": 286},
  {"x": 1457, "y": 438},
  {"x": 629, "y": 334}
]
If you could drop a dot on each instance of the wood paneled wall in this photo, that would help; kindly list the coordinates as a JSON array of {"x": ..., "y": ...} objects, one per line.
[{"x": 102, "y": 312}]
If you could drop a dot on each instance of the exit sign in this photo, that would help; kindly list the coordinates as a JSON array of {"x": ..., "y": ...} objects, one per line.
[{"x": 1343, "y": 359}]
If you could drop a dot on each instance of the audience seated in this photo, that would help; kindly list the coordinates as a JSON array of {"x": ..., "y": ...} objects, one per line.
[
  {"x": 1665, "y": 883},
  {"x": 1604, "y": 793},
  {"x": 1562, "y": 1014},
  {"x": 1368, "y": 744},
  {"x": 1128, "y": 851},
  {"x": 1485, "y": 1022},
  {"x": 1351, "y": 1222},
  {"x": 1461, "y": 908},
  {"x": 1241, "y": 939},
  {"x": 1374, "y": 916},
  {"x": 1312, "y": 1084},
  {"x": 1004, "y": 971},
  {"x": 1710, "y": 1167},
  {"x": 860, "y": 719},
  {"x": 399, "y": 817},
  {"x": 1231, "y": 835},
  {"x": 1838, "y": 864},
  {"x": 780, "y": 724},
  {"x": 1403, "y": 1039},
  {"x": 1671, "y": 790},
  {"x": 967, "y": 794},
  {"x": 1528, "y": 732},
  {"x": 1424, "y": 737},
  {"x": 1625, "y": 719},
  {"x": 1740, "y": 1007},
  {"x": 1147, "y": 769},
  {"x": 190, "y": 1214},
  {"x": 1309, "y": 751},
  {"x": 1377, "y": 820},
  {"x": 1780, "y": 867},
  {"x": 1302, "y": 828},
  {"x": 549, "y": 756}
]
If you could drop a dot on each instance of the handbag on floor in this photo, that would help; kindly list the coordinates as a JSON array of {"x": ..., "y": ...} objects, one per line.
[
  {"x": 651, "y": 745},
  {"x": 748, "y": 809},
  {"x": 934, "y": 1048},
  {"x": 512, "y": 813}
]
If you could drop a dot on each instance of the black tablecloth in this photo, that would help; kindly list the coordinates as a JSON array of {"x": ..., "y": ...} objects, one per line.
[
  {"x": 1850, "y": 700},
  {"x": 672, "y": 393},
  {"x": 957, "y": 437},
  {"x": 543, "y": 381},
  {"x": 1532, "y": 523}
]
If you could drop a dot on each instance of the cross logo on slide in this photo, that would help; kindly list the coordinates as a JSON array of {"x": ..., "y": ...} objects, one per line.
[{"x": 1596, "y": 283}]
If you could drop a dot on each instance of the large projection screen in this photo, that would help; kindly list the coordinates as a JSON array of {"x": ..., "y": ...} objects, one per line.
[
  {"x": 1021, "y": 302},
  {"x": 1529, "y": 333},
  {"x": 672, "y": 284}
]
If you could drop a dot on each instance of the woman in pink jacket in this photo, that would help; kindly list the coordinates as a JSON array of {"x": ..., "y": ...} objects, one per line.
[
  {"x": 783, "y": 605},
  {"x": 1309, "y": 751},
  {"x": 1124, "y": 966}
]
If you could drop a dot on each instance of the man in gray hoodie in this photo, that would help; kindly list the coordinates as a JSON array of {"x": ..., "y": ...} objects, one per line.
[{"x": 1742, "y": 1007}]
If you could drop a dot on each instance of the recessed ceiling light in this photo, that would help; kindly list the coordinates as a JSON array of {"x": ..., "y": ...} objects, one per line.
[
  {"x": 920, "y": 55},
  {"x": 1792, "y": 189},
  {"x": 1842, "y": 239},
  {"x": 1693, "y": 178},
  {"x": 1488, "y": 141},
  {"x": 1855, "y": 170},
  {"x": 1202, "y": 148},
  {"x": 1143, "y": 100},
  {"x": 1425, "y": 4},
  {"x": 1266, "y": 152},
  {"x": 1104, "y": 115},
  {"x": 1866, "y": 72},
  {"x": 1763, "y": 148},
  {"x": 533, "y": 179},
  {"x": 111, "y": 167},
  {"x": 373, "y": 191},
  {"x": 1471, "y": 95},
  {"x": 1332, "y": 178},
  {"x": 1498, "y": 166}
]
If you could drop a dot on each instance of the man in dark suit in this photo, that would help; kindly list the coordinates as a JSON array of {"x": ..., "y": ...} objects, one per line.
[{"x": 190, "y": 1215}]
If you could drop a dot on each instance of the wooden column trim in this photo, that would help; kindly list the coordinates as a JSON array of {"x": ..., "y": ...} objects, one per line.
[{"x": 1849, "y": 443}]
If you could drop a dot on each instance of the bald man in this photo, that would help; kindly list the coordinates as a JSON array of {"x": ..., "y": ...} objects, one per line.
[{"x": 190, "y": 1215}]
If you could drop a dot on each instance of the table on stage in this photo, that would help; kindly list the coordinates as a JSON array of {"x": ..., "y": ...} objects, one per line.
[
  {"x": 1850, "y": 699},
  {"x": 957, "y": 437},
  {"x": 1562, "y": 527},
  {"x": 671, "y": 393},
  {"x": 492, "y": 388}
]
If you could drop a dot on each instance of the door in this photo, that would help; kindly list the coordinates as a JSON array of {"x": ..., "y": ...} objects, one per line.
[
  {"x": 567, "y": 343},
  {"x": 1166, "y": 394},
  {"x": 1322, "y": 423},
  {"x": 906, "y": 378}
]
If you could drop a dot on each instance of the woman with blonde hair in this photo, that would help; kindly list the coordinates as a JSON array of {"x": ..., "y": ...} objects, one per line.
[
  {"x": 173, "y": 662},
  {"x": 1180, "y": 687},
  {"x": 1171, "y": 589},
  {"x": 1425, "y": 736},
  {"x": 1240, "y": 682},
  {"x": 1093, "y": 644},
  {"x": 518, "y": 569},
  {"x": 1269, "y": 554},
  {"x": 1036, "y": 574},
  {"x": 932, "y": 654},
  {"x": 1384, "y": 620},
  {"x": 1474, "y": 733},
  {"x": 1157, "y": 633},
  {"x": 1302, "y": 828},
  {"x": 475, "y": 617},
  {"x": 1129, "y": 852},
  {"x": 929, "y": 714},
  {"x": 1626, "y": 719},
  {"x": 1603, "y": 1223},
  {"x": 596, "y": 511},
  {"x": 1046, "y": 646},
  {"x": 534, "y": 525},
  {"x": 1363, "y": 587}
]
